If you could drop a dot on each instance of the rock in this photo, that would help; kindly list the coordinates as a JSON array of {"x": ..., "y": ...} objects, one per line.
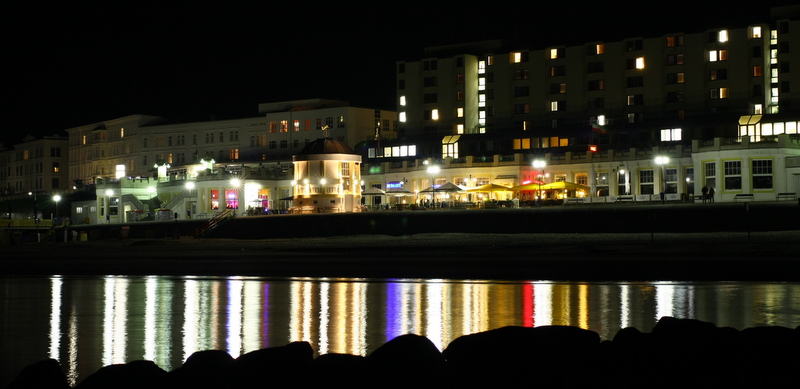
[
  {"x": 46, "y": 374},
  {"x": 409, "y": 359},
  {"x": 203, "y": 369},
  {"x": 285, "y": 365},
  {"x": 132, "y": 375},
  {"x": 548, "y": 356}
]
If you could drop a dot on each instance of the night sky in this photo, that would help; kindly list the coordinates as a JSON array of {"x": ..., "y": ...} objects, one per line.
[{"x": 68, "y": 65}]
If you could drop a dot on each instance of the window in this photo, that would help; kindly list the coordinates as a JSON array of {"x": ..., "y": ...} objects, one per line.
[
  {"x": 689, "y": 180},
  {"x": 676, "y": 78},
  {"x": 556, "y": 106},
  {"x": 557, "y": 53},
  {"x": 671, "y": 180},
  {"x": 711, "y": 174},
  {"x": 717, "y": 55},
  {"x": 646, "y": 182},
  {"x": 758, "y": 71},
  {"x": 762, "y": 174},
  {"x": 673, "y": 41},
  {"x": 733, "y": 175},
  {"x": 671, "y": 134},
  {"x": 718, "y": 74},
  {"x": 722, "y": 36},
  {"x": 635, "y": 99},
  {"x": 719, "y": 93},
  {"x": 556, "y": 71},
  {"x": 755, "y": 32},
  {"x": 596, "y": 85},
  {"x": 594, "y": 67},
  {"x": 675, "y": 59}
]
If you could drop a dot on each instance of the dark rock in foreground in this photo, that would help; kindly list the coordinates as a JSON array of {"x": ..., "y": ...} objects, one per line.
[{"x": 677, "y": 353}]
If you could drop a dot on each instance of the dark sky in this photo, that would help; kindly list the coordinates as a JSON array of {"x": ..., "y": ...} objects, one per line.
[{"x": 69, "y": 65}]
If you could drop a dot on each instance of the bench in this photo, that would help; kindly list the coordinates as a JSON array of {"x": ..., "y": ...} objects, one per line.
[
  {"x": 786, "y": 196},
  {"x": 743, "y": 197},
  {"x": 573, "y": 200},
  {"x": 624, "y": 198},
  {"x": 694, "y": 198}
]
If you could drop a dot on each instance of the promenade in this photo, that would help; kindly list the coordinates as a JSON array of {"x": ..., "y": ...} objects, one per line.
[{"x": 648, "y": 242}]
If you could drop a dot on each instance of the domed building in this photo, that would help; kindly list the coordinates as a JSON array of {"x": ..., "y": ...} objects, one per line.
[{"x": 327, "y": 178}]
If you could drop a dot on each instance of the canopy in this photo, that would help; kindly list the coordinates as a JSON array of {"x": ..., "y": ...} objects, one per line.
[
  {"x": 373, "y": 192},
  {"x": 399, "y": 192},
  {"x": 490, "y": 188},
  {"x": 448, "y": 187},
  {"x": 561, "y": 185},
  {"x": 535, "y": 185}
]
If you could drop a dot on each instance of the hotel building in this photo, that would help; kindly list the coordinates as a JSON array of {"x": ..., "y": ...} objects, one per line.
[{"x": 599, "y": 114}]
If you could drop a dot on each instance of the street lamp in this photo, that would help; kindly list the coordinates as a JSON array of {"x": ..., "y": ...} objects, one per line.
[
  {"x": 433, "y": 170},
  {"x": 57, "y": 198},
  {"x": 661, "y": 161},
  {"x": 539, "y": 164}
]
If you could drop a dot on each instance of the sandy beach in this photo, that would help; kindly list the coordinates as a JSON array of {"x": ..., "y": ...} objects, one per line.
[{"x": 756, "y": 256}]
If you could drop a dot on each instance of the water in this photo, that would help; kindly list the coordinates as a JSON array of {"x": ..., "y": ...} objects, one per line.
[{"x": 90, "y": 322}]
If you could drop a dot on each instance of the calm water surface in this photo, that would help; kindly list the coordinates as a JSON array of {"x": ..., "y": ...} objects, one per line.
[{"x": 87, "y": 323}]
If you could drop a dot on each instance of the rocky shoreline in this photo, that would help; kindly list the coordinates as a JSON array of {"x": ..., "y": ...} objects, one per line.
[{"x": 677, "y": 352}]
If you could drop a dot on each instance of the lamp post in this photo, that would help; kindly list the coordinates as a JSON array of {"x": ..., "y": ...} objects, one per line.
[
  {"x": 539, "y": 164},
  {"x": 57, "y": 198},
  {"x": 433, "y": 170},
  {"x": 661, "y": 161}
]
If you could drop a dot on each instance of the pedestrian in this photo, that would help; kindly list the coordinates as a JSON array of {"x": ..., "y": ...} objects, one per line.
[
  {"x": 711, "y": 194},
  {"x": 705, "y": 193}
]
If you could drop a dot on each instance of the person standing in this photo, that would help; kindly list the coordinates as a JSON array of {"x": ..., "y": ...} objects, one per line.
[
  {"x": 705, "y": 193},
  {"x": 711, "y": 194}
]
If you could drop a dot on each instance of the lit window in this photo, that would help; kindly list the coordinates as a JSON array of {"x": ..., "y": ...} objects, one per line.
[
  {"x": 640, "y": 63},
  {"x": 402, "y": 101},
  {"x": 758, "y": 71},
  {"x": 459, "y": 129},
  {"x": 670, "y": 134},
  {"x": 481, "y": 67},
  {"x": 601, "y": 48},
  {"x": 758, "y": 109},
  {"x": 435, "y": 114},
  {"x": 718, "y": 55},
  {"x": 755, "y": 32},
  {"x": 460, "y": 112},
  {"x": 402, "y": 117},
  {"x": 516, "y": 57},
  {"x": 723, "y": 35}
]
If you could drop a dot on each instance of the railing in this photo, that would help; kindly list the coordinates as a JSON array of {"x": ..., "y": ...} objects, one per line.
[{"x": 212, "y": 223}]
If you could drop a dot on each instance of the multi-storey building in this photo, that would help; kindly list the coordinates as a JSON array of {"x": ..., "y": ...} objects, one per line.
[
  {"x": 133, "y": 145},
  {"x": 620, "y": 103},
  {"x": 35, "y": 165},
  {"x": 144, "y": 163}
]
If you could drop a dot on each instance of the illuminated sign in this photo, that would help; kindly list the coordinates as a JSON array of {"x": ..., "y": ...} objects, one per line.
[{"x": 394, "y": 185}]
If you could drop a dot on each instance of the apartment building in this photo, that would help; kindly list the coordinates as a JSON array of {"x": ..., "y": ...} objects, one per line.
[
  {"x": 498, "y": 97},
  {"x": 35, "y": 166},
  {"x": 718, "y": 103}
]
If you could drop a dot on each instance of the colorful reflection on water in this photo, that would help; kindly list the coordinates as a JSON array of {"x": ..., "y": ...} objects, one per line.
[{"x": 88, "y": 323}]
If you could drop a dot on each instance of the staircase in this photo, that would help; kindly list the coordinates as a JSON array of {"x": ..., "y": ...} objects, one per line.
[
  {"x": 212, "y": 223},
  {"x": 180, "y": 197}
]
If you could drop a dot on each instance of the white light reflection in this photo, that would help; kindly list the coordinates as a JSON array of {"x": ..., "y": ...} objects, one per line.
[
  {"x": 234, "y": 313},
  {"x": 252, "y": 318},
  {"x": 324, "y": 315},
  {"x": 191, "y": 320},
  {"x": 542, "y": 300},
  {"x": 56, "y": 283},
  {"x": 115, "y": 316},
  {"x": 301, "y": 311},
  {"x": 434, "y": 312},
  {"x": 624, "y": 306},
  {"x": 72, "y": 369}
]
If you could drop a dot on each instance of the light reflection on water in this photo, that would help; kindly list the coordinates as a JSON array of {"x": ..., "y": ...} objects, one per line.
[{"x": 87, "y": 323}]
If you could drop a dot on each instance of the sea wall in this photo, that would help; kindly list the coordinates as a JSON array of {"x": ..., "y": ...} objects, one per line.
[
  {"x": 676, "y": 353},
  {"x": 571, "y": 219}
]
